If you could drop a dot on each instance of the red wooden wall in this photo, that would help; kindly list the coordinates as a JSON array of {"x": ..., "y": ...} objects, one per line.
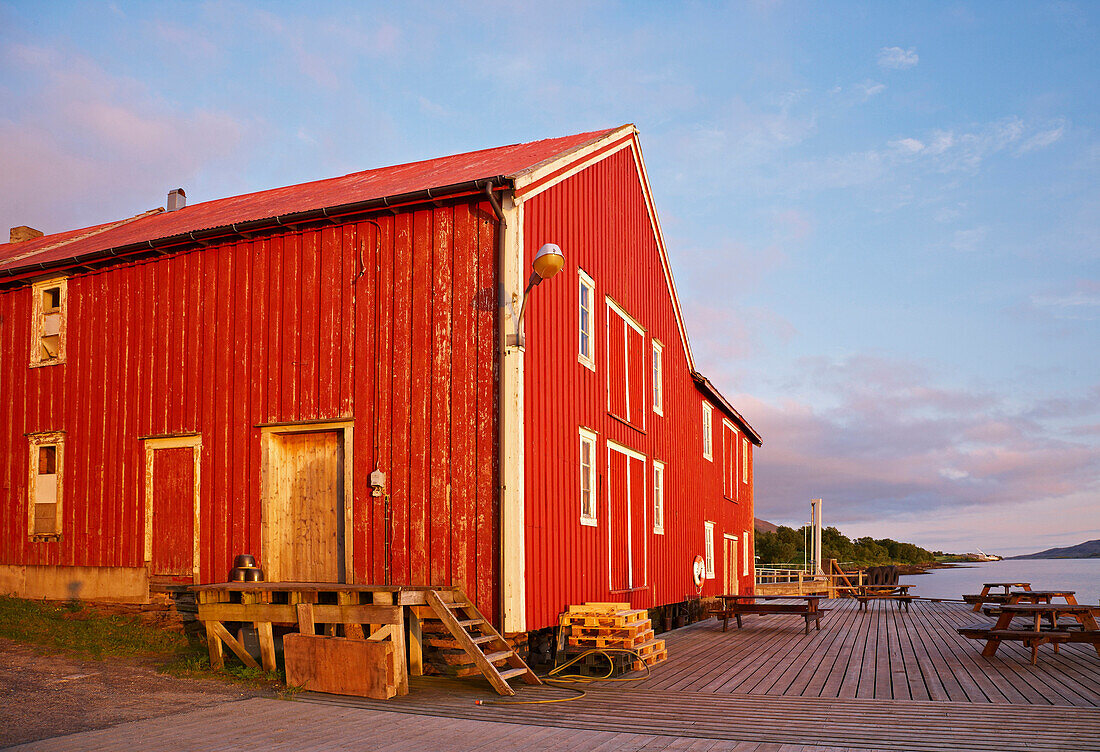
[
  {"x": 391, "y": 323},
  {"x": 599, "y": 219}
]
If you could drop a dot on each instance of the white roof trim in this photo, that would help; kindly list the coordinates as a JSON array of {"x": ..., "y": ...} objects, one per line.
[{"x": 571, "y": 163}]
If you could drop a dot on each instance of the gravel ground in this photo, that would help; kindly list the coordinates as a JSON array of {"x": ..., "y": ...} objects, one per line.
[{"x": 48, "y": 695}]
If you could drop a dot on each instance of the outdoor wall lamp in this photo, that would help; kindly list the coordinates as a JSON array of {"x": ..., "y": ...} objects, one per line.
[{"x": 547, "y": 262}]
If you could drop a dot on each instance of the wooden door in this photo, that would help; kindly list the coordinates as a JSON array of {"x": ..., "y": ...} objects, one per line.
[
  {"x": 627, "y": 518},
  {"x": 639, "y": 524},
  {"x": 303, "y": 512},
  {"x": 618, "y": 524},
  {"x": 729, "y": 581},
  {"x": 173, "y": 492}
]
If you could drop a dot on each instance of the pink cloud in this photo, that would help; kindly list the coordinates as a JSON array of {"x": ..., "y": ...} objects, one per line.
[
  {"x": 87, "y": 146},
  {"x": 893, "y": 445}
]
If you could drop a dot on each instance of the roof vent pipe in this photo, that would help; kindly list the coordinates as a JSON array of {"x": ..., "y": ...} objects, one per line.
[{"x": 177, "y": 199}]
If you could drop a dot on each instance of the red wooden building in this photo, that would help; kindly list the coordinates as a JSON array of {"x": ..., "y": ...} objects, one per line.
[{"x": 329, "y": 376}]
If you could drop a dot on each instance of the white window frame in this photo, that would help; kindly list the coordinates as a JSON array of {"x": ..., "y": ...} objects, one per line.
[
  {"x": 708, "y": 548},
  {"x": 708, "y": 433},
  {"x": 43, "y": 320},
  {"x": 585, "y": 282},
  {"x": 745, "y": 552},
  {"x": 729, "y": 483},
  {"x": 658, "y": 363},
  {"x": 658, "y": 497},
  {"x": 36, "y": 441},
  {"x": 593, "y": 440},
  {"x": 631, "y": 322},
  {"x": 744, "y": 460}
]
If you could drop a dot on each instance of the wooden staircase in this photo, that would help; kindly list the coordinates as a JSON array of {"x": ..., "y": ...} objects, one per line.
[{"x": 481, "y": 641}]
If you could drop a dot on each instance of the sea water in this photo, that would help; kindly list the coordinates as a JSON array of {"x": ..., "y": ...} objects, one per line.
[{"x": 1080, "y": 575}]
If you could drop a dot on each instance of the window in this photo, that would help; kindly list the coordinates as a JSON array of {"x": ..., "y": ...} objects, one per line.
[
  {"x": 708, "y": 548},
  {"x": 44, "y": 490},
  {"x": 626, "y": 392},
  {"x": 707, "y": 432},
  {"x": 658, "y": 379},
  {"x": 745, "y": 548},
  {"x": 585, "y": 346},
  {"x": 48, "y": 324},
  {"x": 729, "y": 459},
  {"x": 744, "y": 460},
  {"x": 658, "y": 497},
  {"x": 588, "y": 477}
]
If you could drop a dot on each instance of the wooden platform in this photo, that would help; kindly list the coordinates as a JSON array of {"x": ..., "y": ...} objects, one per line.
[{"x": 876, "y": 679}]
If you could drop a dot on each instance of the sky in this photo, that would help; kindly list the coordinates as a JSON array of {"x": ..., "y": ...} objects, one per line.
[{"x": 883, "y": 218}]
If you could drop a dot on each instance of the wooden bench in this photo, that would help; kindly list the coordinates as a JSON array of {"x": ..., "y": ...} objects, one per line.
[
  {"x": 980, "y": 599},
  {"x": 1086, "y": 630},
  {"x": 897, "y": 593},
  {"x": 808, "y": 611},
  {"x": 1030, "y": 638}
]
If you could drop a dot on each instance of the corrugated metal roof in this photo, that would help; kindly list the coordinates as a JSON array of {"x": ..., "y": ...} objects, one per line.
[{"x": 503, "y": 161}]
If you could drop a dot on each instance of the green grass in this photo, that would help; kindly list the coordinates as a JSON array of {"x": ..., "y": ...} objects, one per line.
[
  {"x": 74, "y": 628},
  {"x": 79, "y": 629}
]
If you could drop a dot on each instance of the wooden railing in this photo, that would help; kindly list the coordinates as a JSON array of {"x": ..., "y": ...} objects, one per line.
[{"x": 789, "y": 579}]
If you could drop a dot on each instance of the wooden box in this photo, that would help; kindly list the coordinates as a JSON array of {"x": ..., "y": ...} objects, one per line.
[{"x": 339, "y": 665}]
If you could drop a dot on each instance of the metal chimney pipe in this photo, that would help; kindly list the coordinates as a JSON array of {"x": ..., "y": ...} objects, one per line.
[{"x": 177, "y": 199}]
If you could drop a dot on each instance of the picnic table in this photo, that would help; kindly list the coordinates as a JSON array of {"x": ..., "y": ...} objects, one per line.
[
  {"x": 739, "y": 605},
  {"x": 1033, "y": 596},
  {"x": 985, "y": 596},
  {"x": 1086, "y": 630},
  {"x": 897, "y": 593}
]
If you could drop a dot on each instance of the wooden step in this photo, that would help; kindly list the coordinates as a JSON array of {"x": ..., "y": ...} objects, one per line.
[{"x": 471, "y": 643}]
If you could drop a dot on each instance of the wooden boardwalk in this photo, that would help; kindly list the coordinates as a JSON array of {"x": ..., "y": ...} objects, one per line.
[
  {"x": 881, "y": 654},
  {"x": 875, "y": 680}
]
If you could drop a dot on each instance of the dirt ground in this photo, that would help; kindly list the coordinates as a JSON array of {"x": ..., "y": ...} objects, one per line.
[{"x": 48, "y": 695}]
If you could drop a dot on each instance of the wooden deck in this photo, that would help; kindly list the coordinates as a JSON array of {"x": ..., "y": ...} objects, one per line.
[{"x": 880, "y": 679}]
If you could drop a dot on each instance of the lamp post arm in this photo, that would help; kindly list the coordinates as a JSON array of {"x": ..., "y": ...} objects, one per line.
[{"x": 535, "y": 280}]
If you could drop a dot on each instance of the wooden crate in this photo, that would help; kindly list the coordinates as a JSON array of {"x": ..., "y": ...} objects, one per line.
[{"x": 339, "y": 665}]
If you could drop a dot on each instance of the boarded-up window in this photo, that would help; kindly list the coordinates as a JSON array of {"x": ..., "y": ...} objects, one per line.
[
  {"x": 48, "y": 326},
  {"x": 626, "y": 393},
  {"x": 44, "y": 487}
]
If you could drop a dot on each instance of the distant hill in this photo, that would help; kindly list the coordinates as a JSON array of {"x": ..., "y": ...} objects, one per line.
[
  {"x": 763, "y": 526},
  {"x": 1087, "y": 550}
]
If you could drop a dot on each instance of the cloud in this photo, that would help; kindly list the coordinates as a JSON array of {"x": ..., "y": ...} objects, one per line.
[
  {"x": 897, "y": 58},
  {"x": 910, "y": 145},
  {"x": 870, "y": 88},
  {"x": 81, "y": 132},
  {"x": 968, "y": 241},
  {"x": 1043, "y": 139},
  {"x": 1082, "y": 303},
  {"x": 880, "y": 439}
]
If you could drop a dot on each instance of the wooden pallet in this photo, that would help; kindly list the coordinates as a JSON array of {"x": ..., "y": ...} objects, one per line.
[
  {"x": 610, "y": 641},
  {"x": 599, "y": 626}
]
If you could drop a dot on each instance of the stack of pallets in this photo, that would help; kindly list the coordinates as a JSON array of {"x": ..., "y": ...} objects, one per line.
[{"x": 594, "y": 626}]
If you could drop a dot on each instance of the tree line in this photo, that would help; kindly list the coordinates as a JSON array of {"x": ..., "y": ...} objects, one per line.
[{"x": 788, "y": 546}]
